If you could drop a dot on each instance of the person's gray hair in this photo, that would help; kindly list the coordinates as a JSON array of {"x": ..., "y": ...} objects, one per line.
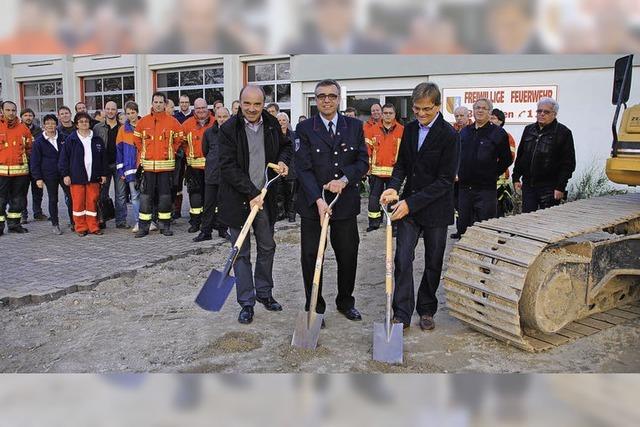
[
  {"x": 463, "y": 108},
  {"x": 222, "y": 107},
  {"x": 486, "y": 101},
  {"x": 549, "y": 101},
  {"x": 282, "y": 113},
  {"x": 427, "y": 90}
]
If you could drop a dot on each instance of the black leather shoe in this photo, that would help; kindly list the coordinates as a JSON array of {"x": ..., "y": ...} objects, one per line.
[
  {"x": 323, "y": 325},
  {"x": 270, "y": 304},
  {"x": 426, "y": 322},
  {"x": 224, "y": 234},
  {"x": 351, "y": 313},
  {"x": 102, "y": 225},
  {"x": 202, "y": 237},
  {"x": 246, "y": 315},
  {"x": 371, "y": 228},
  {"x": 40, "y": 217},
  {"x": 166, "y": 232},
  {"x": 455, "y": 236},
  {"x": 193, "y": 229},
  {"x": 141, "y": 233},
  {"x": 123, "y": 226},
  {"x": 18, "y": 229}
]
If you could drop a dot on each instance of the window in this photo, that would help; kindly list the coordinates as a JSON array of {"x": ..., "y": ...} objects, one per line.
[
  {"x": 43, "y": 97},
  {"x": 275, "y": 79},
  {"x": 206, "y": 82},
  {"x": 119, "y": 88}
]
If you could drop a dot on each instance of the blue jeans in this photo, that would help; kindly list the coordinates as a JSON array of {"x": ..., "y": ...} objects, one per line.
[
  {"x": 120, "y": 195},
  {"x": 135, "y": 200}
]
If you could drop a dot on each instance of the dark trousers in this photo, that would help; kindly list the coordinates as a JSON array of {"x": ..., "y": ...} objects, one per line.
[
  {"x": 435, "y": 241},
  {"x": 475, "y": 205},
  {"x": 155, "y": 185},
  {"x": 119, "y": 193},
  {"x": 195, "y": 187},
  {"x": 534, "y": 198},
  {"x": 36, "y": 199},
  {"x": 376, "y": 186},
  {"x": 210, "y": 213},
  {"x": 13, "y": 190},
  {"x": 250, "y": 284},
  {"x": 289, "y": 191},
  {"x": 52, "y": 195},
  {"x": 177, "y": 185},
  {"x": 345, "y": 240}
]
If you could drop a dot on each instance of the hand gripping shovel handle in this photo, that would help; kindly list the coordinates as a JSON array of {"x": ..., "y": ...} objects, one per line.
[{"x": 254, "y": 211}]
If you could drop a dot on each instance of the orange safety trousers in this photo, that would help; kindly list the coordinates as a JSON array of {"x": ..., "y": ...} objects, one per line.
[{"x": 84, "y": 198}]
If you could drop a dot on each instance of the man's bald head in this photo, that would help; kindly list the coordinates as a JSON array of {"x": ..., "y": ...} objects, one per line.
[
  {"x": 252, "y": 90},
  {"x": 200, "y": 109},
  {"x": 111, "y": 110}
]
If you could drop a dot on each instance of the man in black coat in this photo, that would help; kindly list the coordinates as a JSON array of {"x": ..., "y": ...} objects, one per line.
[
  {"x": 248, "y": 141},
  {"x": 330, "y": 154},
  {"x": 546, "y": 159},
  {"x": 427, "y": 160},
  {"x": 484, "y": 155},
  {"x": 211, "y": 149}
]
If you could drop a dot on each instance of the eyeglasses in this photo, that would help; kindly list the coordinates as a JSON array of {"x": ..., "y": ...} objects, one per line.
[
  {"x": 480, "y": 108},
  {"x": 544, "y": 111},
  {"x": 329, "y": 96}
]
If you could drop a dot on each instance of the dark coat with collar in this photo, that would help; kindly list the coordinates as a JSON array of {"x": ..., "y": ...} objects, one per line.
[
  {"x": 429, "y": 173},
  {"x": 211, "y": 150},
  {"x": 319, "y": 160},
  {"x": 71, "y": 162},
  {"x": 236, "y": 189},
  {"x": 44, "y": 158}
]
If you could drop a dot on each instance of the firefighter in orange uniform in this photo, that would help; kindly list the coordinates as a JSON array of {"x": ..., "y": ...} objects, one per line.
[
  {"x": 194, "y": 128},
  {"x": 157, "y": 138},
  {"x": 15, "y": 149},
  {"x": 383, "y": 144}
]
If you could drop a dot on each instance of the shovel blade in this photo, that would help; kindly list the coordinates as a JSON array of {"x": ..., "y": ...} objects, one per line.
[
  {"x": 306, "y": 334},
  {"x": 387, "y": 349},
  {"x": 215, "y": 291}
]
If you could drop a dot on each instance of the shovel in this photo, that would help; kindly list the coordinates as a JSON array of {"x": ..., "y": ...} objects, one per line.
[
  {"x": 387, "y": 337},
  {"x": 216, "y": 289},
  {"x": 308, "y": 324}
]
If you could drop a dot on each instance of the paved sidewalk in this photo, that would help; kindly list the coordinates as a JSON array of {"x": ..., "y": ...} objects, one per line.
[{"x": 40, "y": 266}]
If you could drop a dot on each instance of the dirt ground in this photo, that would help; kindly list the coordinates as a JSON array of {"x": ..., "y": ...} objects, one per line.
[{"x": 149, "y": 323}]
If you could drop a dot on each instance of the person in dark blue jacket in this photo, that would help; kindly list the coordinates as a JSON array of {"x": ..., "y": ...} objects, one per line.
[
  {"x": 45, "y": 154},
  {"x": 484, "y": 155},
  {"x": 82, "y": 165},
  {"x": 331, "y": 154},
  {"x": 127, "y": 158},
  {"x": 426, "y": 165}
]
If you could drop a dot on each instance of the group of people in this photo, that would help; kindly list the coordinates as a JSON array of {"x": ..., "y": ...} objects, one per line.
[{"x": 412, "y": 169}]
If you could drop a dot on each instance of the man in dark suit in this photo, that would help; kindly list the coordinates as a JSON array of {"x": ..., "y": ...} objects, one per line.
[
  {"x": 427, "y": 159},
  {"x": 331, "y": 154},
  {"x": 248, "y": 141}
]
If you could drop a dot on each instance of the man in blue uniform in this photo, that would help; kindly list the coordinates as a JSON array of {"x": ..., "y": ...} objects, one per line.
[{"x": 331, "y": 154}]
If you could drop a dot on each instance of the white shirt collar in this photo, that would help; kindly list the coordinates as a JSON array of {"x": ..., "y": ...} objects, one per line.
[{"x": 334, "y": 121}]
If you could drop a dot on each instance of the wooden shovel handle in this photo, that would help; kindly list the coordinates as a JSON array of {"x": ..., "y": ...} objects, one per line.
[
  {"x": 247, "y": 224},
  {"x": 319, "y": 258},
  {"x": 389, "y": 261},
  {"x": 273, "y": 166}
]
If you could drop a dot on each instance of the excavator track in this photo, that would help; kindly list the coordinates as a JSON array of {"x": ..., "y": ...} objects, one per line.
[{"x": 491, "y": 269}]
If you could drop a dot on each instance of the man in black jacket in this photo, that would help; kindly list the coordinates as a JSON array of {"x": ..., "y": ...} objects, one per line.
[
  {"x": 248, "y": 141},
  {"x": 427, "y": 160},
  {"x": 546, "y": 159},
  {"x": 330, "y": 154},
  {"x": 210, "y": 148},
  {"x": 484, "y": 156}
]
